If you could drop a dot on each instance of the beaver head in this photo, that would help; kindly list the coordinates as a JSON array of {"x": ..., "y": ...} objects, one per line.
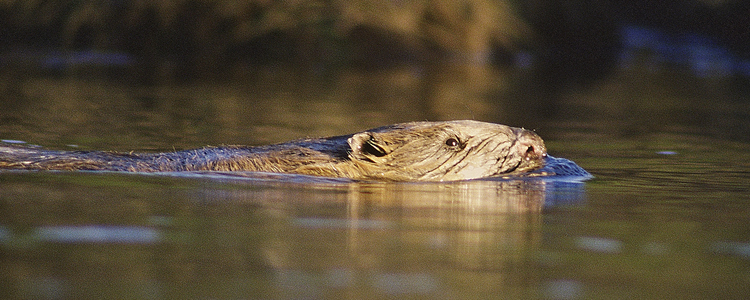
[{"x": 437, "y": 151}]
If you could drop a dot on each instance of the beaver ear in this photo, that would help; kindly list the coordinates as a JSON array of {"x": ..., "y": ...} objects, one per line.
[{"x": 368, "y": 146}]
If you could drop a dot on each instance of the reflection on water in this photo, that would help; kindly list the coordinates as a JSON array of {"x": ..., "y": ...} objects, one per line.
[
  {"x": 270, "y": 105},
  {"x": 228, "y": 236},
  {"x": 700, "y": 54},
  {"x": 96, "y": 234},
  {"x": 665, "y": 216}
]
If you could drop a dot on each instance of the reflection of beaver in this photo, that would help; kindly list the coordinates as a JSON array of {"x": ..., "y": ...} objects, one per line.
[{"x": 418, "y": 151}]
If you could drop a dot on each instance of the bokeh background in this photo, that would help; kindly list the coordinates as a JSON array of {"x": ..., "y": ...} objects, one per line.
[
  {"x": 651, "y": 97},
  {"x": 205, "y": 72}
]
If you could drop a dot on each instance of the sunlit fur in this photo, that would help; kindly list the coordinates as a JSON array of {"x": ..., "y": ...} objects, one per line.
[{"x": 417, "y": 151}]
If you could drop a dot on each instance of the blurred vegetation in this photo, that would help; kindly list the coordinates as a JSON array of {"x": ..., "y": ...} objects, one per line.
[
  {"x": 210, "y": 32},
  {"x": 567, "y": 39}
]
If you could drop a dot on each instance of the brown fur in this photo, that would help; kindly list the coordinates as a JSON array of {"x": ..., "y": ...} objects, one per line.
[{"x": 417, "y": 151}]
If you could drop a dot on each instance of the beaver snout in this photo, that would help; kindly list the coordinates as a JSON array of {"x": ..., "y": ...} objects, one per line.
[{"x": 529, "y": 145}]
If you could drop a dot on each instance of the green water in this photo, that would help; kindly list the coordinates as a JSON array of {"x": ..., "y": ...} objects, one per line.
[{"x": 666, "y": 216}]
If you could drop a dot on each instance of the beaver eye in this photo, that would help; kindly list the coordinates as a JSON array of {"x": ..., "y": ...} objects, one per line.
[{"x": 451, "y": 142}]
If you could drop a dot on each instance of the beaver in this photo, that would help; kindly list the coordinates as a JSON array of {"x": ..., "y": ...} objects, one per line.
[{"x": 415, "y": 151}]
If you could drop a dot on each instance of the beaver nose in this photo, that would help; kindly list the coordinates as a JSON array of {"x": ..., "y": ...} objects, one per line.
[{"x": 529, "y": 145}]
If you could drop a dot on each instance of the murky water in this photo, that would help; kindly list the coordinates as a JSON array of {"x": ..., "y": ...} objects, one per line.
[{"x": 666, "y": 216}]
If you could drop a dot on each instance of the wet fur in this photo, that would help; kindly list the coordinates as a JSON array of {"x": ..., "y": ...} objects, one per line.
[{"x": 417, "y": 151}]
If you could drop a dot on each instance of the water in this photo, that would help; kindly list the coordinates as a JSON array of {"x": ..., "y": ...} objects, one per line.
[{"x": 666, "y": 215}]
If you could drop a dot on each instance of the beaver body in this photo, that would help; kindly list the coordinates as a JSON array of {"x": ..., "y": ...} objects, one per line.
[{"x": 416, "y": 151}]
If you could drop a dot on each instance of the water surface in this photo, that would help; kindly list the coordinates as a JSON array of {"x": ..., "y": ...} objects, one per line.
[{"x": 666, "y": 215}]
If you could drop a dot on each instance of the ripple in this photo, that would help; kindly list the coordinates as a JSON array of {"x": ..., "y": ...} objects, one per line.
[{"x": 98, "y": 234}]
